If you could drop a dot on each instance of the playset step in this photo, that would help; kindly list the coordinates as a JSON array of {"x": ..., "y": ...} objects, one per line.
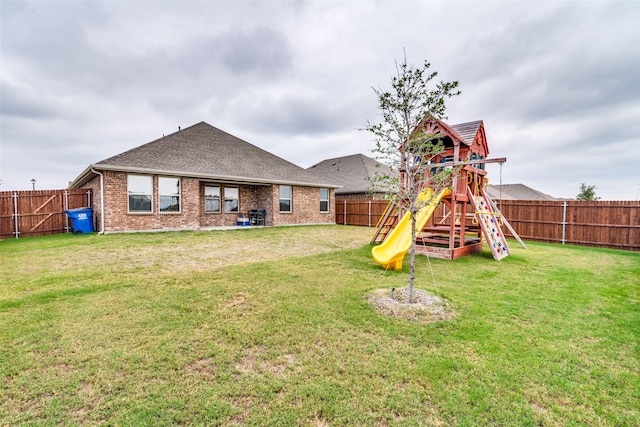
[{"x": 386, "y": 223}]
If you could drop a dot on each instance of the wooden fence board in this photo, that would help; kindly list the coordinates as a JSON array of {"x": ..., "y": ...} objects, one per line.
[
  {"x": 40, "y": 212},
  {"x": 609, "y": 224}
]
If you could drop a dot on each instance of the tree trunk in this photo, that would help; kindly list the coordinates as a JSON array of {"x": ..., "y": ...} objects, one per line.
[{"x": 412, "y": 254}]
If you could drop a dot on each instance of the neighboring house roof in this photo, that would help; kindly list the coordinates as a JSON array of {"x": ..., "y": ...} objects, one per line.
[
  {"x": 203, "y": 151},
  {"x": 351, "y": 172},
  {"x": 516, "y": 192}
]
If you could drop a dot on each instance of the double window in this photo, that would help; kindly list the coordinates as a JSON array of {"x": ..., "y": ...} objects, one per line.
[
  {"x": 140, "y": 192},
  {"x": 215, "y": 194},
  {"x": 285, "y": 198}
]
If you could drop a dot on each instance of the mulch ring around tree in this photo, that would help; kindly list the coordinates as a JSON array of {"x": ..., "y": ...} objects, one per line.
[{"x": 426, "y": 307}]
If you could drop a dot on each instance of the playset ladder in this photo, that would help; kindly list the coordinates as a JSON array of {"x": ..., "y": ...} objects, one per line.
[
  {"x": 489, "y": 224},
  {"x": 504, "y": 220},
  {"x": 385, "y": 224}
]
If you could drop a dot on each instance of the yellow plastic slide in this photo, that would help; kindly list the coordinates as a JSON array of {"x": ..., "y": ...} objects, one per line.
[{"x": 391, "y": 252}]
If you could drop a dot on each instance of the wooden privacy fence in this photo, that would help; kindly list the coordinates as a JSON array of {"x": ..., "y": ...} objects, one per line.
[
  {"x": 611, "y": 224},
  {"x": 359, "y": 212},
  {"x": 39, "y": 212}
]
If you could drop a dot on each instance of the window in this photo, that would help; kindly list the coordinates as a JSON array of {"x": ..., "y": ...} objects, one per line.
[
  {"x": 212, "y": 198},
  {"x": 285, "y": 198},
  {"x": 140, "y": 189},
  {"x": 231, "y": 202},
  {"x": 324, "y": 200},
  {"x": 169, "y": 194}
]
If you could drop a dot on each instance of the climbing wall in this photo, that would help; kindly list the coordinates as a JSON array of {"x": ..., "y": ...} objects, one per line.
[{"x": 490, "y": 225}]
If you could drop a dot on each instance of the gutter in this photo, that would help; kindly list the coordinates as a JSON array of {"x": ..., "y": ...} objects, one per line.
[{"x": 101, "y": 199}]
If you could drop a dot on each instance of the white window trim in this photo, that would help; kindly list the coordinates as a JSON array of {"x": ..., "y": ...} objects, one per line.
[
  {"x": 144, "y": 194},
  {"x": 220, "y": 199},
  {"x": 328, "y": 200},
  {"x": 179, "y": 211},
  {"x": 224, "y": 200},
  {"x": 290, "y": 199}
]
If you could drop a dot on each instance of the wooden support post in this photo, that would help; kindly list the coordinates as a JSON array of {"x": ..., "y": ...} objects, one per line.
[
  {"x": 463, "y": 224},
  {"x": 452, "y": 223}
]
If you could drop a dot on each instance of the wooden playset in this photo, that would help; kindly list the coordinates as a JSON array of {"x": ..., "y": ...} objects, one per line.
[{"x": 468, "y": 215}]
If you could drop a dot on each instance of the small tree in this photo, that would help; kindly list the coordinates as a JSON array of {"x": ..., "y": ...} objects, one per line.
[
  {"x": 404, "y": 144},
  {"x": 587, "y": 193}
]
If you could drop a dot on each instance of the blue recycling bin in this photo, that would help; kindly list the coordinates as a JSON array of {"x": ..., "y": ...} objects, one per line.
[{"x": 81, "y": 220}]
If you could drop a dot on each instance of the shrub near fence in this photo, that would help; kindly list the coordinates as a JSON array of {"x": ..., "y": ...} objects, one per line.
[
  {"x": 610, "y": 224},
  {"x": 39, "y": 212}
]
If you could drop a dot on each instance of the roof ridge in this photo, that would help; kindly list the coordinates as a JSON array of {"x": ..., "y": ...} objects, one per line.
[
  {"x": 204, "y": 150},
  {"x": 467, "y": 123}
]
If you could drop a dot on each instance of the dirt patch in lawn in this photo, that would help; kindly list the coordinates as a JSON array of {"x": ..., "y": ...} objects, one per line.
[
  {"x": 425, "y": 308},
  {"x": 213, "y": 249}
]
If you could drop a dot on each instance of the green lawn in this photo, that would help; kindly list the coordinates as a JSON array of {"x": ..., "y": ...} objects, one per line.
[{"x": 271, "y": 326}]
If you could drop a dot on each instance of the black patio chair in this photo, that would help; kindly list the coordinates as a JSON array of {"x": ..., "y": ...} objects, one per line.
[
  {"x": 261, "y": 217},
  {"x": 253, "y": 215}
]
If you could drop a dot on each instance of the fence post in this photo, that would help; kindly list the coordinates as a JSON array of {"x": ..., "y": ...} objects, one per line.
[
  {"x": 15, "y": 213},
  {"x": 369, "y": 217},
  {"x": 564, "y": 220},
  {"x": 344, "y": 213},
  {"x": 66, "y": 208}
]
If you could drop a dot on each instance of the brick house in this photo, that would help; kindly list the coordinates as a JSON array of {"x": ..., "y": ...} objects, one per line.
[{"x": 203, "y": 177}]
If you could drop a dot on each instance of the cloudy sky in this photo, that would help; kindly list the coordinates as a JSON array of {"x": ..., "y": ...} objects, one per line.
[{"x": 556, "y": 83}]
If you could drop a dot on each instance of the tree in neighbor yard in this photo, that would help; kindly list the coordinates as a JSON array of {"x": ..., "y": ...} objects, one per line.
[
  {"x": 587, "y": 193},
  {"x": 402, "y": 142}
]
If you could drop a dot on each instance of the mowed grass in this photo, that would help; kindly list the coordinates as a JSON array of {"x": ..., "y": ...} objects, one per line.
[{"x": 271, "y": 326}]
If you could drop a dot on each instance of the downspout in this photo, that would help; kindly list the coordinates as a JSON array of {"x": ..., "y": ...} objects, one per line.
[{"x": 101, "y": 200}]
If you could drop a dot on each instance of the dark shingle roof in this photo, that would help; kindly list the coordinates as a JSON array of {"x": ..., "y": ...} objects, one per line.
[
  {"x": 350, "y": 172},
  {"x": 204, "y": 151},
  {"x": 467, "y": 131},
  {"x": 516, "y": 192}
]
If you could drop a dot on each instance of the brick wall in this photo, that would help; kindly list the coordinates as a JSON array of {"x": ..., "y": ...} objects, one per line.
[
  {"x": 305, "y": 204},
  {"x": 251, "y": 197},
  {"x": 305, "y": 207},
  {"x": 118, "y": 218}
]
